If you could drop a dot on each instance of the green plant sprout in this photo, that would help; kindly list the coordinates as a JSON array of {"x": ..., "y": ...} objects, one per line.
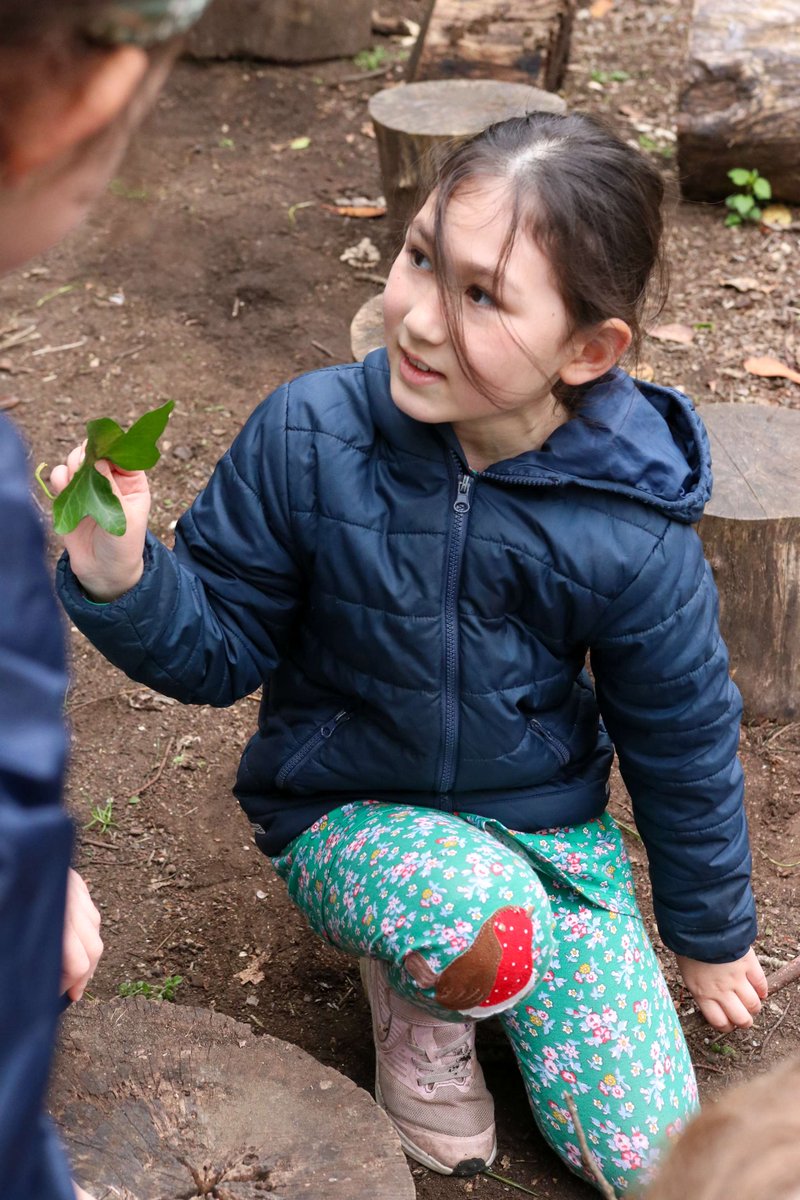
[
  {"x": 744, "y": 204},
  {"x": 88, "y": 493},
  {"x": 152, "y": 991},
  {"x": 102, "y": 815}
]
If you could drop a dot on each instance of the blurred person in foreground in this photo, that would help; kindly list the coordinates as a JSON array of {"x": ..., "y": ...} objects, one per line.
[{"x": 76, "y": 76}]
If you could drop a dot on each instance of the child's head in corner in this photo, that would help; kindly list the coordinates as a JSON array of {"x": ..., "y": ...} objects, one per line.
[
  {"x": 523, "y": 277},
  {"x": 75, "y": 78}
]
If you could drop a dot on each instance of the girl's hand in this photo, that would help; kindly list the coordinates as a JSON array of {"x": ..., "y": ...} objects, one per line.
[
  {"x": 728, "y": 995},
  {"x": 82, "y": 943},
  {"x": 105, "y": 565}
]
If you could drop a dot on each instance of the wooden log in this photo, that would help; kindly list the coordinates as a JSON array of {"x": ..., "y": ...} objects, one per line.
[
  {"x": 414, "y": 121},
  {"x": 751, "y": 536},
  {"x": 740, "y": 104},
  {"x": 366, "y": 328},
  {"x": 290, "y": 31},
  {"x": 521, "y": 41},
  {"x": 158, "y": 1101}
]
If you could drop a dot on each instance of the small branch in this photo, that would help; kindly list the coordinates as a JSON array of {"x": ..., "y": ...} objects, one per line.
[
  {"x": 589, "y": 1160},
  {"x": 159, "y": 770},
  {"x": 775, "y": 1027},
  {"x": 784, "y": 975},
  {"x": 322, "y": 349}
]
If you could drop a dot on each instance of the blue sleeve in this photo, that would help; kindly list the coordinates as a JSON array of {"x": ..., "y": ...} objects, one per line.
[
  {"x": 673, "y": 714},
  {"x": 209, "y": 621},
  {"x": 35, "y": 837}
]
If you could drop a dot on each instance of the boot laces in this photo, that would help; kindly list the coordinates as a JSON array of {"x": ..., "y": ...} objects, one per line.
[{"x": 452, "y": 1063}]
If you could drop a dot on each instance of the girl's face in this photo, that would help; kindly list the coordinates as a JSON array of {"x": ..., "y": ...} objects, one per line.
[{"x": 516, "y": 342}]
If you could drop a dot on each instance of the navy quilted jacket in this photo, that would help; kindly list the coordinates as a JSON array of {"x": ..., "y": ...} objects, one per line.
[
  {"x": 421, "y": 632},
  {"x": 35, "y": 837}
]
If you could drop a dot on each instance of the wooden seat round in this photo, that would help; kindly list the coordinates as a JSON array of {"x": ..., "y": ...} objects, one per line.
[
  {"x": 413, "y": 121},
  {"x": 751, "y": 536},
  {"x": 160, "y": 1100}
]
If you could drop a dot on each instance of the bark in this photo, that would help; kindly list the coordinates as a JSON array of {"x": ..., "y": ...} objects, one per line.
[
  {"x": 751, "y": 536},
  {"x": 740, "y": 105}
]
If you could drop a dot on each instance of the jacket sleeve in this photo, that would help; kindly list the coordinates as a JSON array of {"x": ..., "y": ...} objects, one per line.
[
  {"x": 35, "y": 837},
  {"x": 673, "y": 713},
  {"x": 209, "y": 621}
]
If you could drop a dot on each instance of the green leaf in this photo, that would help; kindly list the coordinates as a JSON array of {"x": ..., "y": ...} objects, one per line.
[
  {"x": 733, "y": 219},
  {"x": 739, "y": 176},
  {"x": 300, "y": 143},
  {"x": 89, "y": 494},
  {"x": 762, "y": 188},
  {"x": 742, "y": 204}
]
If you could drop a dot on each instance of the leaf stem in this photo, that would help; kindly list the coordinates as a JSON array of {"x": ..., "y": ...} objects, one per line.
[{"x": 38, "y": 477}]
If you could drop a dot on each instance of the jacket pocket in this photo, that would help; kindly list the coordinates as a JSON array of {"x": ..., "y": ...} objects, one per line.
[
  {"x": 309, "y": 746},
  {"x": 559, "y": 748}
]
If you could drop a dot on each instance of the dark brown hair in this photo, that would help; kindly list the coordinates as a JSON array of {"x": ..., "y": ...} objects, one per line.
[{"x": 591, "y": 202}]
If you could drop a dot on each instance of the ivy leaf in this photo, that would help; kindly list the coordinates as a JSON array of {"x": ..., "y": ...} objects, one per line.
[
  {"x": 89, "y": 494},
  {"x": 739, "y": 176}
]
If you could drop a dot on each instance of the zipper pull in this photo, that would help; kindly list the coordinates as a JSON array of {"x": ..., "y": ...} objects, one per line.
[
  {"x": 330, "y": 726},
  {"x": 461, "y": 503}
]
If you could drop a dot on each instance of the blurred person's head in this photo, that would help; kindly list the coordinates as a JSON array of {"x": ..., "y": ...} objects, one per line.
[{"x": 76, "y": 76}]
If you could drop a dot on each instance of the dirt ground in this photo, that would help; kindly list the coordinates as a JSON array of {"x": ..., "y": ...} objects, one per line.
[{"x": 211, "y": 272}]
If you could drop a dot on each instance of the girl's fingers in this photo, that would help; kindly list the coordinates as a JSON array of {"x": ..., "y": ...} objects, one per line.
[
  {"x": 758, "y": 979},
  {"x": 715, "y": 1015},
  {"x": 736, "y": 1011},
  {"x": 749, "y": 998}
]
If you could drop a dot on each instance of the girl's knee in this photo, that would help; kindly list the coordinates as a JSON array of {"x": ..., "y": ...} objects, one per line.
[{"x": 500, "y": 968}]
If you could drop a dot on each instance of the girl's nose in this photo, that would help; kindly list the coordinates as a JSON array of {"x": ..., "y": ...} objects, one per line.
[{"x": 424, "y": 319}]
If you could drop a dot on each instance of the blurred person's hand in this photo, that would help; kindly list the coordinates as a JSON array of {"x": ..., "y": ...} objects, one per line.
[{"x": 82, "y": 943}]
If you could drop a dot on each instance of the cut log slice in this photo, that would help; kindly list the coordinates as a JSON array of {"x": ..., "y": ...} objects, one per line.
[
  {"x": 751, "y": 536},
  {"x": 415, "y": 121},
  {"x": 366, "y": 328},
  {"x": 740, "y": 103},
  {"x": 158, "y": 1101},
  {"x": 290, "y": 31}
]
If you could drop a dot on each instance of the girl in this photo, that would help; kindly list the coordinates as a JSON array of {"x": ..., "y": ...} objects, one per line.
[
  {"x": 414, "y": 556},
  {"x": 73, "y": 80}
]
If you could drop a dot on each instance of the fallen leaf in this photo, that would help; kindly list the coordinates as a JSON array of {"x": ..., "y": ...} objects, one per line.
[
  {"x": 300, "y": 143},
  {"x": 747, "y": 283},
  {"x": 600, "y": 8},
  {"x": 776, "y": 216},
  {"x": 672, "y": 333},
  {"x": 356, "y": 210},
  {"x": 253, "y": 973},
  {"x": 770, "y": 368}
]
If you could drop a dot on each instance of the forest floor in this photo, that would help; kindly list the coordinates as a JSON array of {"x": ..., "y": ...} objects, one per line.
[{"x": 211, "y": 272}]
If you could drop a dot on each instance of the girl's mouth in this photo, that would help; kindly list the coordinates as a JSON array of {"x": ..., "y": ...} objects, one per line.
[{"x": 416, "y": 372}]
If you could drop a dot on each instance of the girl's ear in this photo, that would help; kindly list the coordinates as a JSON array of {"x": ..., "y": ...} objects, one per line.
[
  {"x": 61, "y": 116},
  {"x": 595, "y": 351}
]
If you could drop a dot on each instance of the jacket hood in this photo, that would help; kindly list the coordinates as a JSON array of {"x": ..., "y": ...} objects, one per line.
[{"x": 629, "y": 437}]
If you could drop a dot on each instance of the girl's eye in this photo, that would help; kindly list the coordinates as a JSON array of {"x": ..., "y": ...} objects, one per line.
[
  {"x": 419, "y": 260},
  {"x": 478, "y": 296}
]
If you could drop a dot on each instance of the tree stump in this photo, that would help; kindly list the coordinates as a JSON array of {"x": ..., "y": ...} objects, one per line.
[
  {"x": 740, "y": 105},
  {"x": 158, "y": 1101},
  {"x": 751, "y": 536},
  {"x": 415, "y": 121},
  {"x": 524, "y": 41},
  {"x": 290, "y": 31},
  {"x": 366, "y": 328}
]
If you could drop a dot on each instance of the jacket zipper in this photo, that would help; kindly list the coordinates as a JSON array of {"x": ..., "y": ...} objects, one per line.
[
  {"x": 557, "y": 746},
  {"x": 320, "y": 735},
  {"x": 461, "y": 507}
]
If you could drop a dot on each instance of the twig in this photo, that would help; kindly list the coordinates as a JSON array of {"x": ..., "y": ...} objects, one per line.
[
  {"x": 784, "y": 975},
  {"x": 22, "y": 335},
  {"x": 128, "y": 353},
  {"x": 84, "y": 841},
  {"x": 370, "y": 277},
  {"x": 159, "y": 771},
  {"x": 780, "y": 732},
  {"x": 589, "y": 1160},
  {"x": 508, "y": 1182},
  {"x": 71, "y": 708},
  {"x": 628, "y": 828},
  {"x": 58, "y": 349},
  {"x": 775, "y": 1027},
  {"x": 323, "y": 349}
]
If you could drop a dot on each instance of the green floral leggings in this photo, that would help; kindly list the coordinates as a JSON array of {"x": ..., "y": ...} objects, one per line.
[{"x": 552, "y": 918}]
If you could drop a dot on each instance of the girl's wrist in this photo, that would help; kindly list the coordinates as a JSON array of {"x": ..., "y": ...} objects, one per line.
[{"x": 96, "y": 593}]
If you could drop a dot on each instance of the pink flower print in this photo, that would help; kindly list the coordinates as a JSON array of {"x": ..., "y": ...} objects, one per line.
[
  {"x": 620, "y": 1141},
  {"x": 585, "y": 974},
  {"x": 631, "y": 1160},
  {"x": 640, "y": 1007},
  {"x": 449, "y": 842},
  {"x": 559, "y": 1114},
  {"x": 639, "y": 1141},
  {"x": 675, "y": 1128},
  {"x": 569, "y": 1076},
  {"x": 574, "y": 863},
  {"x": 496, "y": 868},
  {"x": 430, "y": 896}
]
